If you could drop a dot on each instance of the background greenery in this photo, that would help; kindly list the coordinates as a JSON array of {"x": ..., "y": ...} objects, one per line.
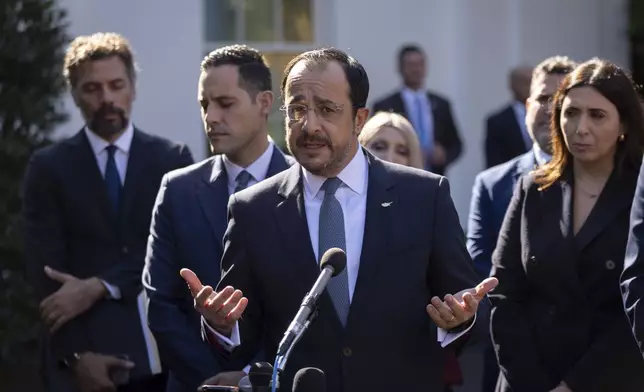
[
  {"x": 32, "y": 44},
  {"x": 636, "y": 36}
]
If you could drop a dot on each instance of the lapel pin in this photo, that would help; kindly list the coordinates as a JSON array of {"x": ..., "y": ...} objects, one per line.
[{"x": 387, "y": 204}]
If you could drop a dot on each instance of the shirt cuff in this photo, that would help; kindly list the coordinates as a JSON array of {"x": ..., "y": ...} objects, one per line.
[
  {"x": 247, "y": 369},
  {"x": 227, "y": 343},
  {"x": 446, "y": 337},
  {"x": 114, "y": 292}
]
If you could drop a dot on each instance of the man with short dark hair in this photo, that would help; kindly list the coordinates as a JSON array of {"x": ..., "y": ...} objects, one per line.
[
  {"x": 189, "y": 217},
  {"x": 86, "y": 211},
  {"x": 430, "y": 114},
  {"x": 376, "y": 329},
  {"x": 493, "y": 187}
]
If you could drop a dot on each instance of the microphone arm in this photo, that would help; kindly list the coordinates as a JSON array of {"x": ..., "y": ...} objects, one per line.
[{"x": 282, "y": 363}]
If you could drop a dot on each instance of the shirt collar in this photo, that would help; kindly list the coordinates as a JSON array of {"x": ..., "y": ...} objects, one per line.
[
  {"x": 354, "y": 176},
  {"x": 540, "y": 156},
  {"x": 519, "y": 107},
  {"x": 406, "y": 91},
  {"x": 123, "y": 143},
  {"x": 257, "y": 169}
]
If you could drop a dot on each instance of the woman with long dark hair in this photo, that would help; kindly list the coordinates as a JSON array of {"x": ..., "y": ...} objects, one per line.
[{"x": 558, "y": 323}]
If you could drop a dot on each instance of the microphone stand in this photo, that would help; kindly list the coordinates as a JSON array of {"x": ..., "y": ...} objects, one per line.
[{"x": 280, "y": 361}]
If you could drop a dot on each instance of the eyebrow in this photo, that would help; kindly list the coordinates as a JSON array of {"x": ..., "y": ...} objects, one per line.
[{"x": 317, "y": 100}]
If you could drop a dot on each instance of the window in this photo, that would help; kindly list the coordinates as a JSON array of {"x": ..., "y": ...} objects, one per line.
[{"x": 280, "y": 29}]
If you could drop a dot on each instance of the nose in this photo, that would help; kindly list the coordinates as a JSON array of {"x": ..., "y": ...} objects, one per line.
[
  {"x": 582, "y": 126},
  {"x": 107, "y": 95},
  {"x": 213, "y": 114},
  {"x": 311, "y": 122}
]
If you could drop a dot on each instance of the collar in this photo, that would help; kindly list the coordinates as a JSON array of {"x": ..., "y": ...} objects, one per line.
[
  {"x": 406, "y": 91},
  {"x": 354, "y": 175},
  {"x": 257, "y": 169},
  {"x": 123, "y": 143},
  {"x": 519, "y": 107},
  {"x": 540, "y": 156}
]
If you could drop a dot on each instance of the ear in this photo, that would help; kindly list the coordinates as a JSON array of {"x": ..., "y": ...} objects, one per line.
[
  {"x": 265, "y": 101},
  {"x": 362, "y": 114}
]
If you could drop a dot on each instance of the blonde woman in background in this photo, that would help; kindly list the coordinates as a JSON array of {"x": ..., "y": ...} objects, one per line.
[{"x": 392, "y": 138}]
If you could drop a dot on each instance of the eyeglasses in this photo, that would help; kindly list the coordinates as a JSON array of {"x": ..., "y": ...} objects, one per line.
[{"x": 327, "y": 111}]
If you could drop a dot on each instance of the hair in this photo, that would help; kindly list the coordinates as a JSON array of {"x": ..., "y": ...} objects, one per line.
[
  {"x": 254, "y": 73},
  {"x": 356, "y": 75},
  {"x": 407, "y": 49},
  {"x": 98, "y": 46},
  {"x": 555, "y": 65},
  {"x": 615, "y": 85},
  {"x": 401, "y": 124}
]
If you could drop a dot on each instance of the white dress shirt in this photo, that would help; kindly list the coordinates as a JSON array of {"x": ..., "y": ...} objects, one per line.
[
  {"x": 540, "y": 156},
  {"x": 352, "y": 196},
  {"x": 121, "y": 155},
  {"x": 258, "y": 169}
]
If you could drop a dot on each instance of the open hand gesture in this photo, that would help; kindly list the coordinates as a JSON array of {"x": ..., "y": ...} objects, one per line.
[
  {"x": 460, "y": 308},
  {"x": 221, "y": 310}
]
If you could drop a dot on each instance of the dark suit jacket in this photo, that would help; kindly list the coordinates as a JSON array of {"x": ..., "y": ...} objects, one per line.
[
  {"x": 503, "y": 138},
  {"x": 491, "y": 196},
  {"x": 557, "y": 312},
  {"x": 445, "y": 132},
  {"x": 632, "y": 280},
  {"x": 69, "y": 226},
  {"x": 412, "y": 250},
  {"x": 188, "y": 224}
]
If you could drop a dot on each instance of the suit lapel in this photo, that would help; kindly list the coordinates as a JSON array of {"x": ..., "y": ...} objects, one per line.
[
  {"x": 291, "y": 218},
  {"x": 89, "y": 173},
  {"x": 616, "y": 197},
  {"x": 135, "y": 164},
  {"x": 398, "y": 105},
  {"x": 213, "y": 197},
  {"x": 278, "y": 163},
  {"x": 381, "y": 208}
]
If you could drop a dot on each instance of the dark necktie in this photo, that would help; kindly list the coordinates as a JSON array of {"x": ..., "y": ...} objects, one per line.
[
  {"x": 112, "y": 178},
  {"x": 242, "y": 180},
  {"x": 331, "y": 235}
]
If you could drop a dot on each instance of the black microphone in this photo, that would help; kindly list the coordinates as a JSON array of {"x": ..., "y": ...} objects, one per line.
[
  {"x": 309, "y": 379},
  {"x": 333, "y": 262},
  {"x": 260, "y": 375}
]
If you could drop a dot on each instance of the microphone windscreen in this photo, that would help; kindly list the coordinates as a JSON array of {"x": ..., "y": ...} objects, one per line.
[
  {"x": 336, "y": 258},
  {"x": 260, "y": 374},
  {"x": 309, "y": 380}
]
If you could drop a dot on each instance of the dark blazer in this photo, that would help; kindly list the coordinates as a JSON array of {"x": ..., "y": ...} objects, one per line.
[
  {"x": 491, "y": 195},
  {"x": 503, "y": 138},
  {"x": 632, "y": 279},
  {"x": 445, "y": 132},
  {"x": 69, "y": 225},
  {"x": 557, "y": 312},
  {"x": 188, "y": 224},
  {"x": 412, "y": 249}
]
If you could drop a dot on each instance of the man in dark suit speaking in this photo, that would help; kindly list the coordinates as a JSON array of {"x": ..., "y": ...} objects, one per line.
[{"x": 398, "y": 226}]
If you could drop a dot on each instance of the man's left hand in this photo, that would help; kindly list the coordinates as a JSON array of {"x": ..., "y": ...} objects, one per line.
[
  {"x": 73, "y": 298},
  {"x": 229, "y": 379},
  {"x": 460, "y": 308}
]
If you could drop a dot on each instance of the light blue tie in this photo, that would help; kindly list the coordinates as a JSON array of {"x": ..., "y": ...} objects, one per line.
[
  {"x": 331, "y": 235},
  {"x": 419, "y": 123}
]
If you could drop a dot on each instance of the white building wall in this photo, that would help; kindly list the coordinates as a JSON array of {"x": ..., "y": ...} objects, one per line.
[{"x": 471, "y": 44}]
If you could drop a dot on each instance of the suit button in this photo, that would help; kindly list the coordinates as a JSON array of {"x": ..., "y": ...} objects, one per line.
[
  {"x": 347, "y": 352},
  {"x": 124, "y": 250},
  {"x": 610, "y": 265},
  {"x": 533, "y": 260}
]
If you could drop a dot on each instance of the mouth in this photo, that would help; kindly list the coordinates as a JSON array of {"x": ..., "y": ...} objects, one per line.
[
  {"x": 313, "y": 145},
  {"x": 581, "y": 146},
  {"x": 217, "y": 134}
]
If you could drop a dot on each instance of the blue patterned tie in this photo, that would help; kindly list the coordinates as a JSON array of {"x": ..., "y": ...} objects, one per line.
[
  {"x": 331, "y": 235},
  {"x": 242, "y": 180},
  {"x": 112, "y": 178}
]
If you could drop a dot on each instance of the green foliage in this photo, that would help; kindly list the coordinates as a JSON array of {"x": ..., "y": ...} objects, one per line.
[{"x": 32, "y": 44}]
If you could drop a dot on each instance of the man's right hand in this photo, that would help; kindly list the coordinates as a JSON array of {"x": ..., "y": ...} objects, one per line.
[
  {"x": 221, "y": 310},
  {"x": 92, "y": 371}
]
